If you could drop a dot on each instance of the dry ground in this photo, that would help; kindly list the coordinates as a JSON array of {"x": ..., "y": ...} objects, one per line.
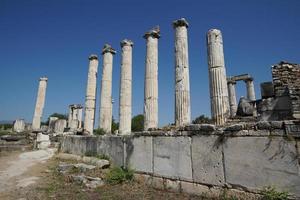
[{"x": 40, "y": 180}]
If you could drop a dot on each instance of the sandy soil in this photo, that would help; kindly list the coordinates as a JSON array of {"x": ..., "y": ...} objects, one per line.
[{"x": 18, "y": 171}]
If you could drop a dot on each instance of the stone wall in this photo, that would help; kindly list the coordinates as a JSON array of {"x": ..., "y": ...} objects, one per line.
[
  {"x": 287, "y": 83},
  {"x": 197, "y": 158}
]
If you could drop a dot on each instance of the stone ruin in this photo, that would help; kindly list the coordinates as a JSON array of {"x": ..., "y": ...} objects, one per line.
[{"x": 236, "y": 152}]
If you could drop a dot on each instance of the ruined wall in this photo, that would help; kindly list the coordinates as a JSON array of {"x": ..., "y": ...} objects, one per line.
[
  {"x": 201, "y": 158},
  {"x": 287, "y": 83}
]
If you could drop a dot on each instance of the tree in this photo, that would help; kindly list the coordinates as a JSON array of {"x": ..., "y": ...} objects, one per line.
[
  {"x": 202, "y": 119},
  {"x": 114, "y": 125},
  {"x": 137, "y": 123}
]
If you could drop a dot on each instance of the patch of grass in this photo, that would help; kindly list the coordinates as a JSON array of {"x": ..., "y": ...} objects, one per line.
[
  {"x": 99, "y": 131},
  {"x": 118, "y": 175},
  {"x": 270, "y": 193},
  {"x": 103, "y": 156}
]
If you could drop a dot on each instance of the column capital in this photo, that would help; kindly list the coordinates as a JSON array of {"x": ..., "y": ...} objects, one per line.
[
  {"x": 229, "y": 81},
  {"x": 180, "y": 22},
  {"x": 249, "y": 79},
  {"x": 155, "y": 33},
  {"x": 43, "y": 79},
  {"x": 93, "y": 57},
  {"x": 108, "y": 49},
  {"x": 126, "y": 42}
]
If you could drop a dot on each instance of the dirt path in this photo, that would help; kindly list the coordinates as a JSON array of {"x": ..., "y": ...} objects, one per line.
[{"x": 20, "y": 170}]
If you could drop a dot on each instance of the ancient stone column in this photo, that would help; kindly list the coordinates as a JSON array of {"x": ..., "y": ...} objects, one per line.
[
  {"x": 151, "y": 79},
  {"x": 106, "y": 86},
  {"x": 90, "y": 97},
  {"x": 232, "y": 97},
  {"x": 125, "y": 88},
  {"x": 70, "y": 116},
  {"x": 182, "y": 80},
  {"x": 217, "y": 77},
  {"x": 79, "y": 116},
  {"x": 250, "y": 89},
  {"x": 40, "y": 102}
]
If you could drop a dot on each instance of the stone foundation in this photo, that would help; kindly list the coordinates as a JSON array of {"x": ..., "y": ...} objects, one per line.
[{"x": 243, "y": 157}]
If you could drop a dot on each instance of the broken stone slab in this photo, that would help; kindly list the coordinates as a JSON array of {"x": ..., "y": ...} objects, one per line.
[
  {"x": 200, "y": 127},
  {"x": 101, "y": 163},
  {"x": 65, "y": 167},
  {"x": 276, "y": 124},
  {"x": 12, "y": 138},
  {"x": 43, "y": 141},
  {"x": 234, "y": 127},
  {"x": 263, "y": 125},
  {"x": 89, "y": 182}
]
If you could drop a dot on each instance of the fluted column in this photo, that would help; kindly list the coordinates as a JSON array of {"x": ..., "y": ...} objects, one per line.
[
  {"x": 40, "y": 102},
  {"x": 79, "y": 116},
  {"x": 232, "y": 97},
  {"x": 125, "y": 88},
  {"x": 90, "y": 97},
  {"x": 217, "y": 77},
  {"x": 106, "y": 87},
  {"x": 151, "y": 79},
  {"x": 182, "y": 80},
  {"x": 250, "y": 89}
]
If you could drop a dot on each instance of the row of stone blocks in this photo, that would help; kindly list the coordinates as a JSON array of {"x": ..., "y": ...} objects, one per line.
[{"x": 244, "y": 162}]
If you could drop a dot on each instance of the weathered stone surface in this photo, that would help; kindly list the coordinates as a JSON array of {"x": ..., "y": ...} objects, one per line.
[
  {"x": 90, "y": 97},
  {"x": 100, "y": 163},
  {"x": 172, "y": 157},
  {"x": 43, "y": 141},
  {"x": 171, "y": 185},
  {"x": 245, "y": 108},
  {"x": 182, "y": 80},
  {"x": 276, "y": 124},
  {"x": 139, "y": 154},
  {"x": 40, "y": 102},
  {"x": 60, "y": 125},
  {"x": 19, "y": 125},
  {"x": 256, "y": 162},
  {"x": 51, "y": 124},
  {"x": 125, "y": 88},
  {"x": 113, "y": 147},
  {"x": 234, "y": 127},
  {"x": 220, "y": 110},
  {"x": 105, "y": 117},
  {"x": 75, "y": 117},
  {"x": 207, "y": 160},
  {"x": 151, "y": 80},
  {"x": 193, "y": 188},
  {"x": 263, "y": 125}
]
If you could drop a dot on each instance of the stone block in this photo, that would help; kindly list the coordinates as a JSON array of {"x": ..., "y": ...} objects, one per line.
[
  {"x": 256, "y": 162},
  {"x": 172, "y": 157},
  {"x": 195, "y": 189},
  {"x": 207, "y": 160},
  {"x": 43, "y": 141},
  {"x": 158, "y": 183},
  {"x": 19, "y": 125},
  {"x": 139, "y": 153},
  {"x": 113, "y": 147},
  {"x": 60, "y": 125},
  {"x": 172, "y": 185}
]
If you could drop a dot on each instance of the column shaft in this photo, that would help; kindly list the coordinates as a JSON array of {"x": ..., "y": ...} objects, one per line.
[
  {"x": 232, "y": 98},
  {"x": 40, "y": 102},
  {"x": 151, "y": 80},
  {"x": 250, "y": 89},
  {"x": 217, "y": 77},
  {"x": 182, "y": 82},
  {"x": 125, "y": 88},
  {"x": 106, "y": 89},
  {"x": 90, "y": 97}
]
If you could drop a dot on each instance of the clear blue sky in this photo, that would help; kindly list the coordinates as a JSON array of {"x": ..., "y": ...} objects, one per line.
[{"x": 54, "y": 39}]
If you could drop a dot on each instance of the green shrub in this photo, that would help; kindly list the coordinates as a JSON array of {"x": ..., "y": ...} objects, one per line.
[
  {"x": 118, "y": 175},
  {"x": 270, "y": 193},
  {"x": 91, "y": 154},
  {"x": 99, "y": 131}
]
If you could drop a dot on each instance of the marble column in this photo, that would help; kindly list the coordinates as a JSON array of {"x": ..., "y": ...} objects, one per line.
[
  {"x": 70, "y": 116},
  {"x": 250, "y": 89},
  {"x": 90, "y": 97},
  {"x": 217, "y": 77},
  {"x": 106, "y": 89},
  {"x": 40, "y": 102},
  {"x": 79, "y": 116},
  {"x": 125, "y": 88},
  {"x": 151, "y": 79},
  {"x": 232, "y": 97},
  {"x": 182, "y": 80}
]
